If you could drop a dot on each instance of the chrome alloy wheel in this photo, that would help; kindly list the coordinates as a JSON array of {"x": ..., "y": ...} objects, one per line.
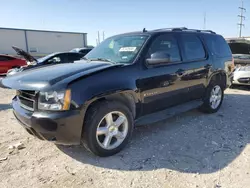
[
  {"x": 215, "y": 97},
  {"x": 112, "y": 130}
]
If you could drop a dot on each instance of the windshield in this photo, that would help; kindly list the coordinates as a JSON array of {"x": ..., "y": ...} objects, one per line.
[
  {"x": 118, "y": 49},
  {"x": 42, "y": 59}
]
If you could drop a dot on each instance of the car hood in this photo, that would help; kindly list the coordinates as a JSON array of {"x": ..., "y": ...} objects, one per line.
[
  {"x": 45, "y": 78},
  {"x": 24, "y": 54}
]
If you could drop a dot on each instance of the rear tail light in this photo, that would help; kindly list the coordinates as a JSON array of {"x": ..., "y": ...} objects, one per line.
[{"x": 233, "y": 66}]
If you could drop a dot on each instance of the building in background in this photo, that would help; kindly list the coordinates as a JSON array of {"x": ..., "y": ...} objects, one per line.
[{"x": 38, "y": 42}]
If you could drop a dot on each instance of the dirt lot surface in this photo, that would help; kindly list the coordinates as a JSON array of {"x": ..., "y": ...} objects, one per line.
[{"x": 190, "y": 150}]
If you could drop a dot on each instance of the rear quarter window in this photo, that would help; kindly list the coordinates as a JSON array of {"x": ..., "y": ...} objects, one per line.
[
  {"x": 218, "y": 45},
  {"x": 192, "y": 47}
]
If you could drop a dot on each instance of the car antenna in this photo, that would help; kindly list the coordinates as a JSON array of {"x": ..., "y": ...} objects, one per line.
[{"x": 144, "y": 30}]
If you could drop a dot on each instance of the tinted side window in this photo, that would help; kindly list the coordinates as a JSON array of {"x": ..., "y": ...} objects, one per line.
[
  {"x": 218, "y": 46},
  {"x": 73, "y": 57},
  {"x": 11, "y": 58},
  {"x": 55, "y": 59},
  {"x": 167, "y": 44},
  {"x": 3, "y": 58},
  {"x": 192, "y": 47},
  {"x": 63, "y": 58}
]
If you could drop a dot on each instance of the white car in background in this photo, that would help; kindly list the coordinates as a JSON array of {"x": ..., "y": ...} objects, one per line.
[{"x": 241, "y": 76}]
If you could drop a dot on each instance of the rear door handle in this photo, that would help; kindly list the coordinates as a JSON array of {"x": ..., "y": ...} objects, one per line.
[
  {"x": 207, "y": 66},
  {"x": 180, "y": 72}
]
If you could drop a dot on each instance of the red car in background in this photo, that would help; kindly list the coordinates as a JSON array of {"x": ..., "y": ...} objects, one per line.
[{"x": 8, "y": 62}]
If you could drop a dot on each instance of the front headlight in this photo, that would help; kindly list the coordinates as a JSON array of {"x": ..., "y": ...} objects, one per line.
[{"x": 54, "y": 100}]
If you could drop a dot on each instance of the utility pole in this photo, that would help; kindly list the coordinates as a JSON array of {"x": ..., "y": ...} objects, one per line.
[
  {"x": 98, "y": 38},
  {"x": 205, "y": 20},
  {"x": 242, "y": 17},
  {"x": 103, "y": 35}
]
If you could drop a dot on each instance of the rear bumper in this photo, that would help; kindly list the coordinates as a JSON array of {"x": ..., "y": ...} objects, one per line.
[{"x": 59, "y": 127}]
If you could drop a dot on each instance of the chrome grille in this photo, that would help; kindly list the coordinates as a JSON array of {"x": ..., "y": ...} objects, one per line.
[{"x": 27, "y": 99}]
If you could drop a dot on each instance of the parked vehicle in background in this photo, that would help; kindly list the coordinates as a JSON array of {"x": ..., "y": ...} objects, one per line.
[
  {"x": 241, "y": 76},
  {"x": 54, "y": 58},
  {"x": 8, "y": 62},
  {"x": 241, "y": 51},
  {"x": 83, "y": 51},
  {"x": 129, "y": 79}
]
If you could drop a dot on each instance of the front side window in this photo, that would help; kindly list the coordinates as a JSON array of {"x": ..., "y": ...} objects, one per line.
[
  {"x": 166, "y": 45},
  {"x": 43, "y": 59},
  {"x": 192, "y": 47},
  {"x": 55, "y": 59},
  {"x": 73, "y": 57},
  {"x": 118, "y": 49}
]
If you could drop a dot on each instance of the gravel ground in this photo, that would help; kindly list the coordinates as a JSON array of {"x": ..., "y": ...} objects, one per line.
[{"x": 189, "y": 150}]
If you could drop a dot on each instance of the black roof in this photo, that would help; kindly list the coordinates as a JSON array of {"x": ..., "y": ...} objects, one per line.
[{"x": 176, "y": 29}]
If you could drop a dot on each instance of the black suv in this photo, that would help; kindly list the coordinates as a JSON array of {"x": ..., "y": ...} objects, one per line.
[{"x": 130, "y": 79}]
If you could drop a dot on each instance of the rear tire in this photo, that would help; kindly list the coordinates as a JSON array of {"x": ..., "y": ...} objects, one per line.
[
  {"x": 107, "y": 129},
  {"x": 213, "y": 97}
]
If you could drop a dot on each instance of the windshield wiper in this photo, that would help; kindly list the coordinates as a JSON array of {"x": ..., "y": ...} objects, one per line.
[{"x": 102, "y": 59}]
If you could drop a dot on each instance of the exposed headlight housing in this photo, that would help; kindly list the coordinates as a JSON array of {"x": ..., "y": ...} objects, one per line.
[{"x": 55, "y": 100}]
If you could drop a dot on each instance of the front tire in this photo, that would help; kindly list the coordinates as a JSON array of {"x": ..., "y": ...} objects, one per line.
[
  {"x": 213, "y": 97},
  {"x": 108, "y": 127}
]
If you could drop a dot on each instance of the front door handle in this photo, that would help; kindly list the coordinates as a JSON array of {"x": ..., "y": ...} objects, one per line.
[
  {"x": 180, "y": 72},
  {"x": 207, "y": 66}
]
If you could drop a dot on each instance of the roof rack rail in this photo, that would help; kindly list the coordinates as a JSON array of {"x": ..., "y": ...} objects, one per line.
[
  {"x": 170, "y": 29},
  {"x": 185, "y": 29},
  {"x": 204, "y": 31}
]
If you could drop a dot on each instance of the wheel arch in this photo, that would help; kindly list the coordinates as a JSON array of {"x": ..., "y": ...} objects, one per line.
[
  {"x": 128, "y": 98},
  {"x": 219, "y": 75}
]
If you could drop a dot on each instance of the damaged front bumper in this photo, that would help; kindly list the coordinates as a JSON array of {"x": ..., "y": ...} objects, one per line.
[{"x": 59, "y": 127}]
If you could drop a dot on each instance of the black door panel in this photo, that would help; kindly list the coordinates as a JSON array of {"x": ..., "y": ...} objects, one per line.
[
  {"x": 163, "y": 87},
  {"x": 196, "y": 57},
  {"x": 177, "y": 82},
  {"x": 160, "y": 84}
]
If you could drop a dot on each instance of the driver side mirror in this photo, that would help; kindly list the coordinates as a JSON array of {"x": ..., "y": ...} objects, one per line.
[{"x": 158, "y": 58}]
